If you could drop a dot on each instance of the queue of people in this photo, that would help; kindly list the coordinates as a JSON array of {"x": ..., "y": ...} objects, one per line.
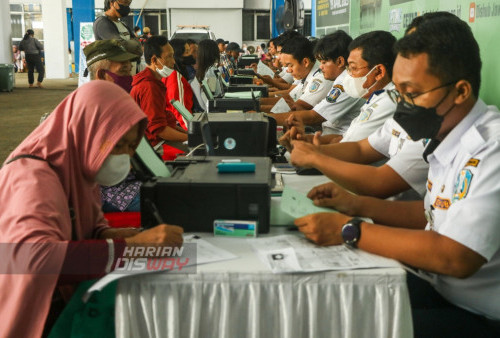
[{"x": 402, "y": 134}]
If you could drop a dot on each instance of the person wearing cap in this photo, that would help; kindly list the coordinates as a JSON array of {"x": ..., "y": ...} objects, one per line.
[
  {"x": 110, "y": 60},
  {"x": 233, "y": 51},
  {"x": 225, "y": 65}
]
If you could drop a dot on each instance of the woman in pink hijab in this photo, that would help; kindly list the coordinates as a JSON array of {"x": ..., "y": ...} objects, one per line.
[{"x": 50, "y": 209}]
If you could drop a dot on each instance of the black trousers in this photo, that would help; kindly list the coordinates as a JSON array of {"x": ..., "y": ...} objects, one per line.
[
  {"x": 434, "y": 316},
  {"x": 34, "y": 61}
]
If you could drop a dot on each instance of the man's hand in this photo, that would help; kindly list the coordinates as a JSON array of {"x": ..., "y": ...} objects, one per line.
[
  {"x": 304, "y": 154},
  {"x": 161, "y": 235},
  {"x": 323, "y": 228},
  {"x": 333, "y": 196}
]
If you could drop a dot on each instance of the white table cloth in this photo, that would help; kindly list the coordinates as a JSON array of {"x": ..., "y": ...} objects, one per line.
[{"x": 242, "y": 298}]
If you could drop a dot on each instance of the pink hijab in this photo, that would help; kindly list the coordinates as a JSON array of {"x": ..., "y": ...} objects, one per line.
[{"x": 35, "y": 196}]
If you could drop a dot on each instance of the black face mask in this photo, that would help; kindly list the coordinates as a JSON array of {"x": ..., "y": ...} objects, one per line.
[
  {"x": 188, "y": 60},
  {"x": 420, "y": 122},
  {"x": 123, "y": 10}
]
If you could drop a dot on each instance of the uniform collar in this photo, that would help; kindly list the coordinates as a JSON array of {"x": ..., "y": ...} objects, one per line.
[
  {"x": 448, "y": 148},
  {"x": 388, "y": 86},
  {"x": 311, "y": 74}
]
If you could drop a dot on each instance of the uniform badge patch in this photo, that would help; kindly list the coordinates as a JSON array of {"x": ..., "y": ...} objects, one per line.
[
  {"x": 442, "y": 203},
  {"x": 462, "y": 185},
  {"x": 395, "y": 133},
  {"x": 429, "y": 185},
  {"x": 333, "y": 95},
  {"x": 365, "y": 115},
  {"x": 314, "y": 86},
  {"x": 473, "y": 162}
]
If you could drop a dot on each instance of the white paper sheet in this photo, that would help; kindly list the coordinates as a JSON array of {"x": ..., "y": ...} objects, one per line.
[
  {"x": 205, "y": 253},
  {"x": 297, "y": 204},
  {"x": 281, "y": 107},
  {"x": 291, "y": 253},
  {"x": 263, "y": 70}
]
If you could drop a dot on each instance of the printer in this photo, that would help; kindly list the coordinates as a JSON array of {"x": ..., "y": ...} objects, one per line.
[
  {"x": 196, "y": 194},
  {"x": 235, "y": 134}
]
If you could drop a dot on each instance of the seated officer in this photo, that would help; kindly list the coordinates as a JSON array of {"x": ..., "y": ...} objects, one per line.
[
  {"x": 368, "y": 76},
  {"x": 457, "y": 249},
  {"x": 298, "y": 56},
  {"x": 110, "y": 60},
  {"x": 337, "y": 109}
]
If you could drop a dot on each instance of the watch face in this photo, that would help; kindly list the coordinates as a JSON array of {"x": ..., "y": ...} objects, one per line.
[{"x": 350, "y": 233}]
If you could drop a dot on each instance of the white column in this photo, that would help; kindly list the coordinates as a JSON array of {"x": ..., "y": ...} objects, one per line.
[
  {"x": 5, "y": 33},
  {"x": 55, "y": 36}
]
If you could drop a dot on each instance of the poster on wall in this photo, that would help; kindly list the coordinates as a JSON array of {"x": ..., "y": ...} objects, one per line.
[
  {"x": 332, "y": 12},
  {"x": 86, "y": 38}
]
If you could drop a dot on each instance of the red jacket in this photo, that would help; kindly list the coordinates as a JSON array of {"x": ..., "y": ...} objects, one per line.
[
  {"x": 149, "y": 93},
  {"x": 174, "y": 93}
]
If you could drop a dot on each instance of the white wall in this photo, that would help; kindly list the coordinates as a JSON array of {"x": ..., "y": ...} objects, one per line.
[
  {"x": 225, "y": 23},
  {"x": 5, "y": 33},
  {"x": 55, "y": 37}
]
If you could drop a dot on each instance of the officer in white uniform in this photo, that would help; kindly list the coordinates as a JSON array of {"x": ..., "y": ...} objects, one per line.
[
  {"x": 405, "y": 155},
  {"x": 313, "y": 88},
  {"x": 338, "y": 108},
  {"x": 437, "y": 74},
  {"x": 462, "y": 204},
  {"x": 372, "y": 116}
]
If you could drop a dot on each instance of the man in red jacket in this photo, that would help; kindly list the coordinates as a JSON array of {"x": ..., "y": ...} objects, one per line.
[{"x": 149, "y": 93}]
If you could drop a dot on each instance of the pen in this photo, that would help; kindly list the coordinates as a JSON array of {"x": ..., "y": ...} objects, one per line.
[{"x": 154, "y": 210}]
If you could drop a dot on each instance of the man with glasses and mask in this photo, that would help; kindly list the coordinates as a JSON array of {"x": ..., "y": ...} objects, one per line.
[
  {"x": 452, "y": 237},
  {"x": 110, "y": 26},
  {"x": 149, "y": 92}
]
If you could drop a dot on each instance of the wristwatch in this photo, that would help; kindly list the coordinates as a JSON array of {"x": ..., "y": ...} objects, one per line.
[{"x": 351, "y": 232}]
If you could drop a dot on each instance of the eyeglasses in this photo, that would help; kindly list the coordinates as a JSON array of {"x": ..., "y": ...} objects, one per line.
[
  {"x": 408, "y": 98},
  {"x": 351, "y": 70}
]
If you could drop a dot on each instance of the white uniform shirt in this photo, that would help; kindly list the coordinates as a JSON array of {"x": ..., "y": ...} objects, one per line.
[
  {"x": 313, "y": 88},
  {"x": 374, "y": 113},
  {"x": 338, "y": 108},
  {"x": 464, "y": 198},
  {"x": 392, "y": 141}
]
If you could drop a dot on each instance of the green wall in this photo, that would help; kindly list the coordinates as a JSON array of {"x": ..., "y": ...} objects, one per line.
[{"x": 361, "y": 16}]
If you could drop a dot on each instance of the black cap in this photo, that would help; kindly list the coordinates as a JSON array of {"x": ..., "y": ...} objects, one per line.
[
  {"x": 222, "y": 41},
  {"x": 233, "y": 46}
]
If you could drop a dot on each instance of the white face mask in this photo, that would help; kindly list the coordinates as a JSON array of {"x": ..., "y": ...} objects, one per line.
[
  {"x": 114, "y": 170},
  {"x": 165, "y": 71},
  {"x": 353, "y": 86}
]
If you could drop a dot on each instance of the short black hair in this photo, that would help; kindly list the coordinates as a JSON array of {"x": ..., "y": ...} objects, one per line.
[
  {"x": 427, "y": 16},
  {"x": 453, "y": 52},
  {"x": 377, "y": 48},
  {"x": 153, "y": 46},
  {"x": 332, "y": 46},
  {"x": 285, "y": 37},
  {"x": 137, "y": 28},
  {"x": 190, "y": 42},
  {"x": 300, "y": 48},
  {"x": 179, "y": 46}
]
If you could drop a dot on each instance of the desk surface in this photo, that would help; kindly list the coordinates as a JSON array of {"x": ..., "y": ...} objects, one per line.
[{"x": 243, "y": 298}]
